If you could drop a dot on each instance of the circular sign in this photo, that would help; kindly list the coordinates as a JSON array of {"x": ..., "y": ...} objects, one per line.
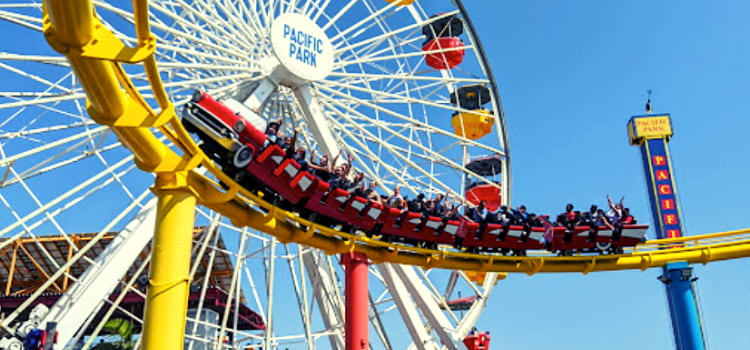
[{"x": 301, "y": 47}]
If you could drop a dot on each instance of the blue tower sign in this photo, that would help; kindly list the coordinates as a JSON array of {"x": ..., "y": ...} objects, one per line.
[{"x": 652, "y": 133}]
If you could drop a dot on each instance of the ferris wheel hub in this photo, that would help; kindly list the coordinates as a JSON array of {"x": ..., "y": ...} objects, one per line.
[{"x": 302, "y": 48}]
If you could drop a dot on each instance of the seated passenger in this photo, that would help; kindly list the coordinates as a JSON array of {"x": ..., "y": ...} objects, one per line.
[
  {"x": 592, "y": 219},
  {"x": 417, "y": 204},
  {"x": 534, "y": 221},
  {"x": 356, "y": 181},
  {"x": 568, "y": 219},
  {"x": 480, "y": 214},
  {"x": 287, "y": 143},
  {"x": 450, "y": 211},
  {"x": 519, "y": 215},
  {"x": 630, "y": 220},
  {"x": 614, "y": 216},
  {"x": 430, "y": 209},
  {"x": 439, "y": 202},
  {"x": 371, "y": 193},
  {"x": 603, "y": 220},
  {"x": 531, "y": 221},
  {"x": 299, "y": 157},
  {"x": 322, "y": 170},
  {"x": 273, "y": 131},
  {"x": 588, "y": 217},
  {"x": 627, "y": 219},
  {"x": 338, "y": 180},
  {"x": 395, "y": 199},
  {"x": 505, "y": 218}
]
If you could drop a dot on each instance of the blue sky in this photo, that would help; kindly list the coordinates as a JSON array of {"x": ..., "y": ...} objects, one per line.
[{"x": 571, "y": 73}]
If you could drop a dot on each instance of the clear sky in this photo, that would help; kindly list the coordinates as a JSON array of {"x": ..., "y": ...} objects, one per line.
[{"x": 570, "y": 74}]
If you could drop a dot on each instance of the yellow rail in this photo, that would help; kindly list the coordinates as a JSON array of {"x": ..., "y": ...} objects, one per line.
[{"x": 96, "y": 56}]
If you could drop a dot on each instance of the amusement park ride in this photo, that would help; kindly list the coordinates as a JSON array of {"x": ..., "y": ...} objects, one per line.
[{"x": 187, "y": 93}]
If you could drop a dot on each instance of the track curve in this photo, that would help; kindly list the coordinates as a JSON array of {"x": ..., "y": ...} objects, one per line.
[{"x": 96, "y": 55}]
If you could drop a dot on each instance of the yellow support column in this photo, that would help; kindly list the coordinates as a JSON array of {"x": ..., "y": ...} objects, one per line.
[{"x": 169, "y": 284}]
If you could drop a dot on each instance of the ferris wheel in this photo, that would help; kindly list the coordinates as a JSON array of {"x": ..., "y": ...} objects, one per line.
[{"x": 402, "y": 88}]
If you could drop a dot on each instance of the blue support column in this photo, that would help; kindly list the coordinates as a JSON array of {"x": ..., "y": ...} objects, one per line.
[
  {"x": 652, "y": 133},
  {"x": 686, "y": 323}
]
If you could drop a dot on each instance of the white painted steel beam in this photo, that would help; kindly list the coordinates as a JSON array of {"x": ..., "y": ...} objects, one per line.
[
  {"x": 471, "y": 317},
  {"x": 328, "y": 298},
  {"x": 429, "y": 307},
  {"x": 420, "y": 337},
  {"x": 88, "y": 294},
  {"x": 316, "y": 120}
]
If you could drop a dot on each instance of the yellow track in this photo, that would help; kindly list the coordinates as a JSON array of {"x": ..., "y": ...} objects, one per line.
[{"x": 96, "y": 57}]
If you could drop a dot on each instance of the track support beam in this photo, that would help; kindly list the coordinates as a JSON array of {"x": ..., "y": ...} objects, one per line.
[
  {"x": 169, "y": 283},
  {"x": 683, "y": 307},
  {"x": 356, "y": 301}
]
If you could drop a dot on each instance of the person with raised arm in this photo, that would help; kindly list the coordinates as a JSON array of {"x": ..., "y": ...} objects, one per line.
[{"x": 614, "y": 217}]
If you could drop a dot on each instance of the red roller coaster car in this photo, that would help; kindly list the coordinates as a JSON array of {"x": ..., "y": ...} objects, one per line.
[
  {"x": 231, "y": 135},
  {"x": 228, "y": 129}
]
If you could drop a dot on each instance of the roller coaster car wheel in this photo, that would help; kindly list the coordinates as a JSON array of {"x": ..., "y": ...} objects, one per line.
[
  {"x": 602, "y": 246},
  {"x": 427, "y": 245},
  {"x": 242, "y": 157},
  {"x": 239, "y": 177},
  {"x": 565, "y": 252},
  {"x": 313, "y": 216}
]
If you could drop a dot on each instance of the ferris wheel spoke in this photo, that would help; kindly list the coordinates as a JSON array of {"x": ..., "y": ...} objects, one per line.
[
  {"x": 41, "y": 169},
  {"x": 397, "y": 57},
  {"x": 208, "y": 39},
  {"x": 185, "y": 84},
  {"x": 49, "y": 85},
  {"x": 369, "y": 78},
  {"x": 392, "y": 113},
  {"x": 42, "y": 59},
  {"x": 371, "y": 17},
  {"x": 65, "y": 196},
  {"x": 319, "y": 9},
  {"x": 392, "y": 91},
  {"x": 428, "y": 155},
  {"x": 298, "y": 285},
  {"x": 45, "y": 130},
  {"x": 358, "y": 56},
  {"x": 332, "y": 20},
  {"x": 64, "y": 268},
  {"x": 398, "y": 155},
  {"x": 71, "y": 202},
  {"x": 43, "y": 101},
  {"x": 30, "y": 22},
  {"x": 244, "y": 24},
  {"x": 393, "y": 34}
]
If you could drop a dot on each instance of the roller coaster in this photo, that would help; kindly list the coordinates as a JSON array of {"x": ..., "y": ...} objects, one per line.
[{"x": 106, "y": 62}]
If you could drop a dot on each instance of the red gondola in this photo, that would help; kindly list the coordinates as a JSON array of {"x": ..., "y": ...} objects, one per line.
[
  {"x": 488, "y": 167},
  {"x": 450, "y": 52}
]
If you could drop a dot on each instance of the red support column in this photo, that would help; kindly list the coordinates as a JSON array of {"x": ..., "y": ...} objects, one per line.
[{"x": 356, "y": 324}]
